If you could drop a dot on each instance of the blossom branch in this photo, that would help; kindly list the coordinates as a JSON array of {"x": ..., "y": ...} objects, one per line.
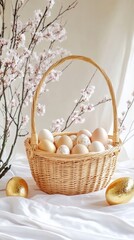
[
  {"x": 93, "y": 106},
  {"x": 21, "y": 69},
  {"x": 130, "y": 103},
  {"x": 14, "y": 26},
  {"x": 51, "y": 80},
  {"x": 70, "y": 7},
  {"x": 33, "y": 37},
  {"x": 128, "y": 136},
  {"x": 77, "y": 104},
  {"x": 6, "y": 123},
  {"x": 2, "y": 3},
  {"x": 123, "y": 118}
]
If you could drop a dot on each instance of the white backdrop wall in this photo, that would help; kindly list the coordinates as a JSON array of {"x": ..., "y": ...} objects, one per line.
[{"x": 102, "y": 30}]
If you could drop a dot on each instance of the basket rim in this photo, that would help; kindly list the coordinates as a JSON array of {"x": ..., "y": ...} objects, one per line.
[{"x": 71, "y": 157}]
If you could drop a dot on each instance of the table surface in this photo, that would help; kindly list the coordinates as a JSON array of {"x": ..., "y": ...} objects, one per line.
[{"x": 80, "y": 217}]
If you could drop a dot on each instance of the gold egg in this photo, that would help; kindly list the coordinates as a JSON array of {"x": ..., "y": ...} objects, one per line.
[
  {"x": 17, "y": 186},
  {"x": 120, "y": 191}
]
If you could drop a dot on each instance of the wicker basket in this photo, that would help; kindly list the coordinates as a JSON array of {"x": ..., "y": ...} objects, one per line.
[{"x": 75, "y": 173}]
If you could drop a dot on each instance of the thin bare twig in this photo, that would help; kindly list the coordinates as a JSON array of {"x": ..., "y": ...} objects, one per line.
[
  {"x": 78, "y": 102},
  {"x": 129, "y": 132},
  {"x": 126, "y": 113}
]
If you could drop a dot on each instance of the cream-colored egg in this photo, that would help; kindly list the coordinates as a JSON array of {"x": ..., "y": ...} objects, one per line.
[
  {"x": 45, "y": 134},
  {"x": 56, "y": 139},
  {"x": 84, "y": 131},
  {"x": 47, "y": 146},
  {"x": 65, "y": 140},
  {"x": 101, "y": 135},
  {"x": 79, "y": 149},
  {"x": 63, "y": 149},
  {"x": 74, "y": 139},
  {"x": 96, "y": 146},
  {"x": 83, "y": 139}
]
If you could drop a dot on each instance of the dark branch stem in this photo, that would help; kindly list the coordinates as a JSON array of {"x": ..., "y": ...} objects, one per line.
[
  {"x": 14, "y": 27},
  {"x": 71, "y": 6},
  {"x": 6, "y": 120},
  {"x": 33, "y": 37},
  {"x": 3, "y": 19}
]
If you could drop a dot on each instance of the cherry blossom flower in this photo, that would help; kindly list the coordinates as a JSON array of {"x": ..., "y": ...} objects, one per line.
[
  {"x": 87, "y": 93},
  {"x": 41, "y": 109},
  {"x": 55, "y": 32},
  {"x": 13, "y": 102},
  {"x": 3, "y": 42},
  {"x": 25, "y": 120},
  {"x": 122, "y": 120},
  {"x": 50, "y": 3},
  {"x": 57, "y": 125},
  {"x": 54, "y": 76}
]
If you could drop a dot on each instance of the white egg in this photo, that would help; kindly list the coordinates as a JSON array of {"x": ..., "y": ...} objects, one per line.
[
  {"x": 96, "y": 146},
  {"x": 84, "y": 131},
  {"x": 63, "y": 149},
  {"x": 83, "y": 139},
  {"x": 45, "y": 134}
]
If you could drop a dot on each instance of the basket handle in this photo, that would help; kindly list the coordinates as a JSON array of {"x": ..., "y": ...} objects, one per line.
[{"x": 34, "y": 137}]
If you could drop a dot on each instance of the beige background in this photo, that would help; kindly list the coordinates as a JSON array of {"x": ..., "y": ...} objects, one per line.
[{"x": 101, "y": 30}]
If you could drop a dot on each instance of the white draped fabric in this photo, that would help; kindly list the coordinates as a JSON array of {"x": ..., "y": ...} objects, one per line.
[{"x": 80, "y": 217}]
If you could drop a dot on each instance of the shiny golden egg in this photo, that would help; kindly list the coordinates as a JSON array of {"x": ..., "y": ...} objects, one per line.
[
  {"x": 17, "y": 186},
  {"x": 120, "y": 191}
]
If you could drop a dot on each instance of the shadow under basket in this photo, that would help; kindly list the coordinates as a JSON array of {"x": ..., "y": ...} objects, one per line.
[{"x": 74, "y": 173}]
